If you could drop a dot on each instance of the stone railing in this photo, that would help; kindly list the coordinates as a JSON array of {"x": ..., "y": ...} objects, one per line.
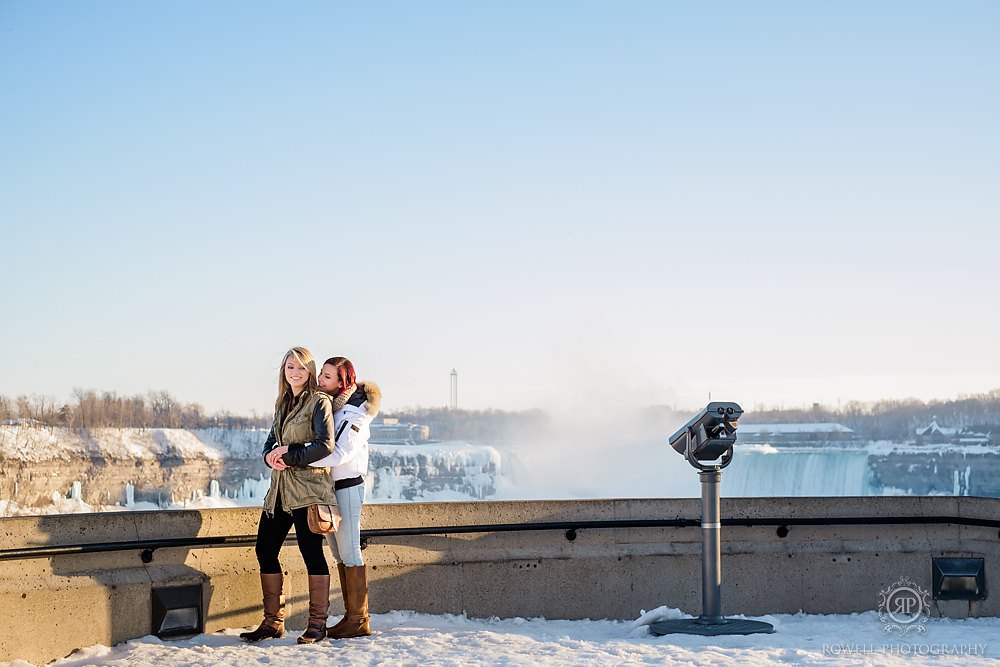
[{"x": 78, "y": 580}]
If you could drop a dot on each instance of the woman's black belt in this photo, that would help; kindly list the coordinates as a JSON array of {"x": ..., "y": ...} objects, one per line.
[{"x": 348, "y": 483}]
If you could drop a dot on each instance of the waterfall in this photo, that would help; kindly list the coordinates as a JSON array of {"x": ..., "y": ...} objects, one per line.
[
  {"x": 129, "y": 494},
  {"x": 767, "y": 471},
  {"x": 213, "y": 489}
]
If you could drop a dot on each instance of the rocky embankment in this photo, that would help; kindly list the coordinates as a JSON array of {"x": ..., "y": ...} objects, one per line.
[
  {"x": 938, "y": 471},
  {"x": 161, "y": 466},
  {"x": 168, "y": 467}
]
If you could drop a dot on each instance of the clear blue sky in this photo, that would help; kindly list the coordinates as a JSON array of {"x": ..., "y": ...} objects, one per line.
[{"x": 569, "y": 202}]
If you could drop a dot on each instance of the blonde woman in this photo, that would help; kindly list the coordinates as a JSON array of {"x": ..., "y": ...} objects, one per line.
[{"x": 301, "y": 434}]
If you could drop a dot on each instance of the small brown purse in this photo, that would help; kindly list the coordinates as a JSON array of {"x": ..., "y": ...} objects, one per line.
[{"x": 323, "y": 519}]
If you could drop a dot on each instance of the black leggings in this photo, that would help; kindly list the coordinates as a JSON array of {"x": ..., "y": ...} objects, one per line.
[{"x": 271, "y": 534}]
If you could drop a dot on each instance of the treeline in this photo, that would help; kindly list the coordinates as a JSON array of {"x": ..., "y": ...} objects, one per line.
[
  {"x": 89, "y": 408},
  {"x": 895, "y": 419},
  {"x": 880, "y": 420},
  {"x": 487, "y": 426}
]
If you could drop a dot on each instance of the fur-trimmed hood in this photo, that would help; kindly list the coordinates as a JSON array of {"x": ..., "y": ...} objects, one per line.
[{"x": 373, "y": 396}]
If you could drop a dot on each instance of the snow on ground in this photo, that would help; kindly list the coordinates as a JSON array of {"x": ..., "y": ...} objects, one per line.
[{"x": 408, "y": 638}]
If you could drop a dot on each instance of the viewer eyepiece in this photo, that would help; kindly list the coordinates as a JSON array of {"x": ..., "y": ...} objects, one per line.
[{"x": 709, "y": 435}]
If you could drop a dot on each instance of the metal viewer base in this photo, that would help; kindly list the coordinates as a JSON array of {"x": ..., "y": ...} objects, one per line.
[{"x": 696, "y": 626}]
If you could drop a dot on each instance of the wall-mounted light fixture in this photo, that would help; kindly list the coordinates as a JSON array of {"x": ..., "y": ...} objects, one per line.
[
  {"x": 177, "y": 610},
  {"x": 958, "y": 578}
]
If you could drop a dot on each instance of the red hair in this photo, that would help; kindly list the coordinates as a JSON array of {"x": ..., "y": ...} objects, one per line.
[{"x": 345, "y": 372}]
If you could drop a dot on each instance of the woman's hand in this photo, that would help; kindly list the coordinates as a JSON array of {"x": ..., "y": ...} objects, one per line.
[{"x": 273, "y": 458}]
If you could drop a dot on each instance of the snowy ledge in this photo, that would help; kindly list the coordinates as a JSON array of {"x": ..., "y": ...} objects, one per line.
[{"x": 597, "y": 573}]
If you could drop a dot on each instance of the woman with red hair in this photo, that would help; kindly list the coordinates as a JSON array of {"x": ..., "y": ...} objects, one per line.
[{"x": 355, "y": 405}]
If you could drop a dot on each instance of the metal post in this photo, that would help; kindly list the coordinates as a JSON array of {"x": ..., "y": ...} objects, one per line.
[
  {"x": 711, "y": 622},
  {"x": 711, "y": 554}
]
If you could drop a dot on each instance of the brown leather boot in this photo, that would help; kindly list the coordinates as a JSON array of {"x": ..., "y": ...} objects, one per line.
[
  {"x": 273, "y": 626},
  {"x": 342, "y": 571},
  {"x": 319, "y": 607},
  {"x": 356, "y": 600}
]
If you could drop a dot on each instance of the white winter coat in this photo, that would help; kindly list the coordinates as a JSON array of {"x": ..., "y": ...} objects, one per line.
[{"x": 351, "y": 424}]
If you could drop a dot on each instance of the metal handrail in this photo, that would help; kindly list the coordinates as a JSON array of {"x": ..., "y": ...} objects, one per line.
[{"x": 569, "y": 526}]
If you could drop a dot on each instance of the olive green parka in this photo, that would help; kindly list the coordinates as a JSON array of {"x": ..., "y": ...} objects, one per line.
[{"x": 305, "y": 425}]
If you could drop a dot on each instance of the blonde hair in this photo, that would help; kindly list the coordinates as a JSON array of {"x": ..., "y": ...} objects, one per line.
[{"x": 304, "y": 357}]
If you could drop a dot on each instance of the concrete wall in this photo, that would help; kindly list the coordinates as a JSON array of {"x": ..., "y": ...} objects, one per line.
[{"x": 83, "y": 599}]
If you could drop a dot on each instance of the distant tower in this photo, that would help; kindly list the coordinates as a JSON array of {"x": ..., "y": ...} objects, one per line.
[{"x": 453, "y": 401}]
